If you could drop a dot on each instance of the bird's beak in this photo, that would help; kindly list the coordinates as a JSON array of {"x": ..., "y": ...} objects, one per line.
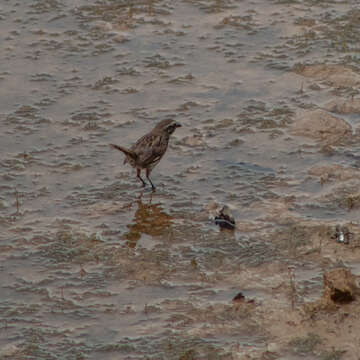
[{"x": 178, "y": 125}]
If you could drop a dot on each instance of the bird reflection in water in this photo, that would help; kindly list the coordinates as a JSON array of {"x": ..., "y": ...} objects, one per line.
[{"x": 149, "y": 219}]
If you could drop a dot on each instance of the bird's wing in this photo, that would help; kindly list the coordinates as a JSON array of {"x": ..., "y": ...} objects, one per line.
[{"x": 151, "y": 149}]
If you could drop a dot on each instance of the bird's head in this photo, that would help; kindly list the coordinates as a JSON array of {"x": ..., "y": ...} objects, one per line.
[{"x": 167, "y": 125}]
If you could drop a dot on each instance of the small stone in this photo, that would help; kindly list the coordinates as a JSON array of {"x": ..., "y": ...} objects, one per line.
[
  {"x": 225, "y": 219},
  {"x": 344, "y": 235},
  {"x": 239, "y": 297}
]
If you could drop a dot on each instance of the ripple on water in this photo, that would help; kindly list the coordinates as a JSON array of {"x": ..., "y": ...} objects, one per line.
[{"x": 87, "y": 254}]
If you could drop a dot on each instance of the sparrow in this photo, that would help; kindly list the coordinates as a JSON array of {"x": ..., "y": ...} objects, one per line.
[{"x": 149, "y": 149}]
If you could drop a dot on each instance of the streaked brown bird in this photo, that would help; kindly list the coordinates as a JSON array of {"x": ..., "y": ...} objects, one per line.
[{"x": 149, "y": 149}]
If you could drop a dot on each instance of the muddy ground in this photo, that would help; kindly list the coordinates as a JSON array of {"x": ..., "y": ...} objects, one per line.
[{"x": 95, "y": 267}]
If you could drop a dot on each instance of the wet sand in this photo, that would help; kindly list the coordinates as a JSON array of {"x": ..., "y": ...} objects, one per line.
[{"x": 95, "y": 267}]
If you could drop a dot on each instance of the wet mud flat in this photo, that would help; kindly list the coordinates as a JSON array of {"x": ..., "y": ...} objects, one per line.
[{"x": 95, "y": 267}]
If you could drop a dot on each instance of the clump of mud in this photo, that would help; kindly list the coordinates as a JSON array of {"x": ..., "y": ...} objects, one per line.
[
  {"x": 321, "y": 125},
  {"x": 340, "y": 286}
]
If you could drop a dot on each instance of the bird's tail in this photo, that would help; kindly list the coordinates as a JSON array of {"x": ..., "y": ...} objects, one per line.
[{"x": 126, "y": 151}]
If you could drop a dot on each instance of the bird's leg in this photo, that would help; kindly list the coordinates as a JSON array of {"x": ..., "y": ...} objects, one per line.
[
  {"x": 138, "y": 172},
  {"x": 148, "y": 177}
]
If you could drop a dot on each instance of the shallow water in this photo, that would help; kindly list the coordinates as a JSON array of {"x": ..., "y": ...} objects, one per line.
[{"x": 92, "y": 265}]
